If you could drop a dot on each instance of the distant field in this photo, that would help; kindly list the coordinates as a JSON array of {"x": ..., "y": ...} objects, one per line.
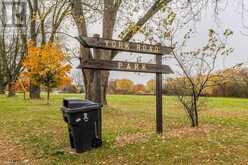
[{"x": 35, "y": 133}]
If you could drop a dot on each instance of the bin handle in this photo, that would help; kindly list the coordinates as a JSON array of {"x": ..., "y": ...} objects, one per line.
[
  {"x": 95, "y": 125},
  {"x": 80, "y": 108}
]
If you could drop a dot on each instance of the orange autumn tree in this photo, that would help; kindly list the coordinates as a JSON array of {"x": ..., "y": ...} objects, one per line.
[
  {"x": 47, "y": 66},
  {"x": 139, "y": 89}
]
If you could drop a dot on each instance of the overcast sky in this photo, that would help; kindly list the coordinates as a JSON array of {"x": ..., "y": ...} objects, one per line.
[{"x": 230, "y": 18}]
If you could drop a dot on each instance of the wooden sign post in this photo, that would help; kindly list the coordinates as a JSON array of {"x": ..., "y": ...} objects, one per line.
[
  {"x": 159, "y": 98},
  {"x": 99, "y": 43},
  {"x": 99, "y": 100},
  {"x": 98, "y": 90}
]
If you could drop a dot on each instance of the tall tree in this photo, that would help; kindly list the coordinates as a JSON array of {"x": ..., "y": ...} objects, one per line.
[
  {"x": 3, "y": 78},
  {"x": 34, "y": 90},
  {"x": 45, "y": 20},
  {"x": 12, "y": 51},
  {"x": 48, "y": 65}
]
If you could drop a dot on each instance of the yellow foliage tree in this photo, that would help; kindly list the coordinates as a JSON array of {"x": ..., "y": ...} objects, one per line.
[
  {"x": 151, "y": 86},
  {"x": 124, "y": 86},
  {"x": 47, "y": 66}
]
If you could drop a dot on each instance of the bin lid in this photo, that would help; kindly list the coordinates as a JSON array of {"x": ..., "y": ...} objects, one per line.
[{"x": 77, "y": 105}]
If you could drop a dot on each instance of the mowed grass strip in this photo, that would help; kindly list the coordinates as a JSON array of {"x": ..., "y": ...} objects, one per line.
[{"x": 129, "y": 132}]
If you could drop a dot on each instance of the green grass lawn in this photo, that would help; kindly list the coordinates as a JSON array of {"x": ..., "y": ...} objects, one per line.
[{"x": 129, "y": 132}]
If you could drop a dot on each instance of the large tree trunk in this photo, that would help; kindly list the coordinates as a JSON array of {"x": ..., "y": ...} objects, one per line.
[
  {"x": 2, "y": 80},
  {"x": 90, "y": 85},
  {"x": 11, "y": 89},
  {"x": 34, "y": 92},
  {"x": 34, "y": 89},
  {"x": 109, "y": 18},
  {"x": 2, "y": 89},
  {"x": 48, "y": 95}
]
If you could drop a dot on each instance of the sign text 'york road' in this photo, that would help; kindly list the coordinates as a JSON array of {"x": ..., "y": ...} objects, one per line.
[{"x": 93, "y": 42}]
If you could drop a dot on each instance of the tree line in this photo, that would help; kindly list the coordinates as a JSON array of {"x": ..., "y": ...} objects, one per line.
[
  {"x": 231, "y": 82},
  {"x": 126, "y": 86}
]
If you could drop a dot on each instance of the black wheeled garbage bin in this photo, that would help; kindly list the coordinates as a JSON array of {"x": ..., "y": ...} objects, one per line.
[{"x": 82, "y": 119}]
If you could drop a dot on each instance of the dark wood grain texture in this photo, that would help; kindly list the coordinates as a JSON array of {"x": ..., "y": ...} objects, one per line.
[
  {"x": 126, "y": 66},
  {"x": 159, "y": 99},
  {"x": 118, "y": 45},
  {"x": 99, "y": 100},
  {"x": 98, "y": 89}
]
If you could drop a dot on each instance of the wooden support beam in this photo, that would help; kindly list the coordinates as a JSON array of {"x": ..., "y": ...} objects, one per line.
[
  {"x": 126, "y": 66},
  {"x": 98, "y": 88},
  {"x": 159, "y": 99},
  {"x": 118, "y": 45},
  {"x": 99, "y": 100}
]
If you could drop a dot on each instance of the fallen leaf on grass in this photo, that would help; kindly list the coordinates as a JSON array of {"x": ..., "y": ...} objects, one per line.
[
  {"x": 189, "y": 131},
  {"x": 125, "y": 139}
]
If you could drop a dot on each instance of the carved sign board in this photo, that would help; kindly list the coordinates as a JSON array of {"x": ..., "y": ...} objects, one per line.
[
  {"x": 93, "y": 42},
  {"x": 125, "y": 66}
]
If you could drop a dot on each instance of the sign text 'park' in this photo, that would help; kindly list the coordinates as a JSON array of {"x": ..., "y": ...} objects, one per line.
[{"x": 126, "y": 66}]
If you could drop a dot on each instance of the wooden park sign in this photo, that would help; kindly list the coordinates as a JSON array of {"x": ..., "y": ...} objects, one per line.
[{"x": 116, "y": 45}]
